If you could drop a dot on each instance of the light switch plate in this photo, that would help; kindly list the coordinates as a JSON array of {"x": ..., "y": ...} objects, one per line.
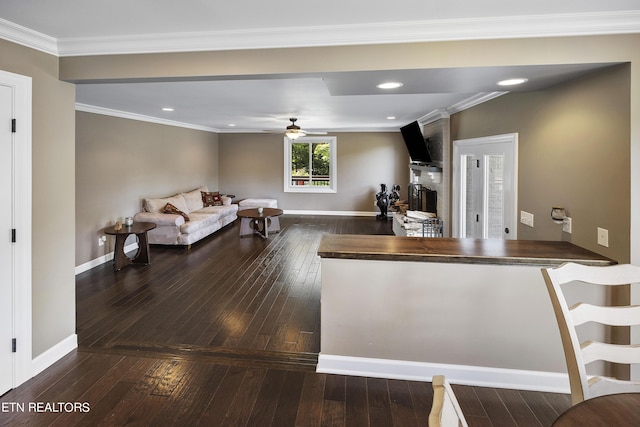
[
  {"x": 566, "y": 225},
  {"x": 603, "y": 237},
  {"x": 526, "y": 218}
]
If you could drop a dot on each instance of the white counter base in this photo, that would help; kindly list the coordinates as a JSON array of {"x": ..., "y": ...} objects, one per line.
[{"x": 490, "y": 325}]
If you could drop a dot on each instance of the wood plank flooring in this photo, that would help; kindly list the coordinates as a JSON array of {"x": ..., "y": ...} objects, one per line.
[{"x": 227, "y": 333}]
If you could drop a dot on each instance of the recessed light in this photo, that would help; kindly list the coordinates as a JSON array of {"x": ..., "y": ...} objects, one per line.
[
  {"x": 512, "y": 82},
  {"x": 391, "y": 117},
  {"x": 389, "y": 85},
  {"x": 232, "y": 125},
  {"x": 167, "y": 109}
]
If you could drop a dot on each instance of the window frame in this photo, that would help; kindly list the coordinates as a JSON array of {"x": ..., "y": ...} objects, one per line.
[{"x": 333, "y": 165}]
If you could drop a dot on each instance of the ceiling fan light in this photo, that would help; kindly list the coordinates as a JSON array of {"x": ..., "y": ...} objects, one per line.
[{"x": 294, "y": 133}]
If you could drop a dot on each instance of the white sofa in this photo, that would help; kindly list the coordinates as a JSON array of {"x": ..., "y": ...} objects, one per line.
[{"x": 174, "y": 228}]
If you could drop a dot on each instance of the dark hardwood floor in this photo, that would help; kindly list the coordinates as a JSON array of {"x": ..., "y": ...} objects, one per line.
[{"x": 227, "y": 333}]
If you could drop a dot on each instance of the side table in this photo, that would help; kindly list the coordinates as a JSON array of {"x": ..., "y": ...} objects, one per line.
[
  {"x": 259, "y": 221},
  {"x": 142, "y": 256}
]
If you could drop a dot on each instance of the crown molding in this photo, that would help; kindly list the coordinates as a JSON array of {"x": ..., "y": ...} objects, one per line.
[
  {"x": 552, "y": 25},
  {"x": 24, "y": 36},
  {"x": 140, "y": 117},
  {"x": 434, "y": 116},
  {"x": 474, "y": 100},
  {"x": 471, "y": 101}
]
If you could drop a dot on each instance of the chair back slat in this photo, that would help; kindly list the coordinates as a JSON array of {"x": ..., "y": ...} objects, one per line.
[
  {"x": 613, "y": 316},
  {"x": 615, "y": 353},
  {"x": 619, "y": 274}
]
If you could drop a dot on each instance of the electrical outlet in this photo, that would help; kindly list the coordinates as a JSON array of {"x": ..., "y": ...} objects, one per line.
[
  {"x": 566, "y": 225},
  {"x": 603, "y": 237},
  {"x": 526, "y": 218}
]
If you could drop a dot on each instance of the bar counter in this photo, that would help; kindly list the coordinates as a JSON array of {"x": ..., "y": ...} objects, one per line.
[
  {"x": 476, "y": 311},
  {"x": 467, "y": 251}
]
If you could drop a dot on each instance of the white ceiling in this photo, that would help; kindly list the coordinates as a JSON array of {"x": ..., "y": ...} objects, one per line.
[{"x": 332, "y": 102}]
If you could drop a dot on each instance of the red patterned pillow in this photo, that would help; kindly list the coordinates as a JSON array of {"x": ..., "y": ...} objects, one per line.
[
  {"x": 171, "y": 209},
  {"x": 211, "y": 198}
]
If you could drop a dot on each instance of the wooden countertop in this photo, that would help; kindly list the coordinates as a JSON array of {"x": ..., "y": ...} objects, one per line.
[{"x": 465, "y": 251}]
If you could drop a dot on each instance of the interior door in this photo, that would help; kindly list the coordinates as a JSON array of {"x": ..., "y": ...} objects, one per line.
[
  {"x": 6, "y": 252},
  {"x": 485, "y": 187}
]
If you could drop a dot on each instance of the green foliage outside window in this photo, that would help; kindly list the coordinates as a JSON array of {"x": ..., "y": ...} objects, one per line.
[{"x": 304, "y": 153}]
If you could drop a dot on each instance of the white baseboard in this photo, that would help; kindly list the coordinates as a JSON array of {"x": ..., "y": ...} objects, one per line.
[
  {"x": 455, "y": 374},
  {"x": 336, "y": 213},
  {"x": 101, "y": 260},
  {"x": 55, "y": 353},
  {"x": 108, "y": 257}
]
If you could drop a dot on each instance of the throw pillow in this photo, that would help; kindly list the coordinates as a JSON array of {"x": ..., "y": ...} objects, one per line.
[
  {"x": 171, "y": 209},
  {"x": 211, "y": 198}
]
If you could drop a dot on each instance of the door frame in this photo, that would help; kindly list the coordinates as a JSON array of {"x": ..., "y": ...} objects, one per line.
[
  {"x": 511, "y": 138},
  {"x": 22, "y": 223}
]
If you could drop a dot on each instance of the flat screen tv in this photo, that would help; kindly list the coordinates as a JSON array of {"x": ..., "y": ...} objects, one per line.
[{"x": 416, "y": 144}]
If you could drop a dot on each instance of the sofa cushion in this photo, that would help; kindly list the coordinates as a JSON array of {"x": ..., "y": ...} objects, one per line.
[
  {"x": 211, "y": 198},
  {"x": 157, "y": 205},
  {"x": 170, "y": 209},
  {"x": 222, "y": 211},
  {"x": 199, "y": 221},
  {"x": 193, "y": 199}
]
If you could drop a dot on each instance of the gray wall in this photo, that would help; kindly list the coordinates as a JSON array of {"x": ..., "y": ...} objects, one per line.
[
  {"x": 53, "y": 187},
  {"x": 574, "y": 146},
  {"x": 252, "y": 165},
  {"x": 119, "y": 162}
]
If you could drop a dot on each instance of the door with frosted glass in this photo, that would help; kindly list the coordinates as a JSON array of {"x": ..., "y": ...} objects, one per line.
[{"x": 484, "y": 187}]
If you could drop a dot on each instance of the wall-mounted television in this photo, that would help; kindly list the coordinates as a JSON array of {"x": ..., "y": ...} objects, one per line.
[{"x": 416, "y": 143}]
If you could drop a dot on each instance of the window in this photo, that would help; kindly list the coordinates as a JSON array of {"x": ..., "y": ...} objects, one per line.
[{"x": 310, "y": 165}]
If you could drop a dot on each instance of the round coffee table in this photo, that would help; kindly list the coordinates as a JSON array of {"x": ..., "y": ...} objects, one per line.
[
  {"x": 260, "y": 221},
  {"x": 120, "y": 259}
]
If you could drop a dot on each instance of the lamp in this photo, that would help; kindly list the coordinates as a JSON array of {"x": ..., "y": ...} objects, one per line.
[{"x": 558, "y": 214}]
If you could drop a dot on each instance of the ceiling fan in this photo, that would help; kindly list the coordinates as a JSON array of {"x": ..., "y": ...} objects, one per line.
[{"x": 293, "y": 131}]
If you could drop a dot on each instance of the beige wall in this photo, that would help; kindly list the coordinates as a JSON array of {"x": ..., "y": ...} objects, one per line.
[
  {"x": 53, "y": 192},
  {"x": 573, "y": 152},
  {"x": 119, "y": 162},
  {"x": 253, "y": 165}
]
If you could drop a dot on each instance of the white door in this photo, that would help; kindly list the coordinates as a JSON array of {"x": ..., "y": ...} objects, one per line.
[
  {"x": 485, "y": 187},
  {"x": 6, "y": 252}
]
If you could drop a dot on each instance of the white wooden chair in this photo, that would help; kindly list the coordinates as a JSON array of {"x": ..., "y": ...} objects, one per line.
[
  {"x": 578, "y": 354},
  {"x": 445, "y": 411}
]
